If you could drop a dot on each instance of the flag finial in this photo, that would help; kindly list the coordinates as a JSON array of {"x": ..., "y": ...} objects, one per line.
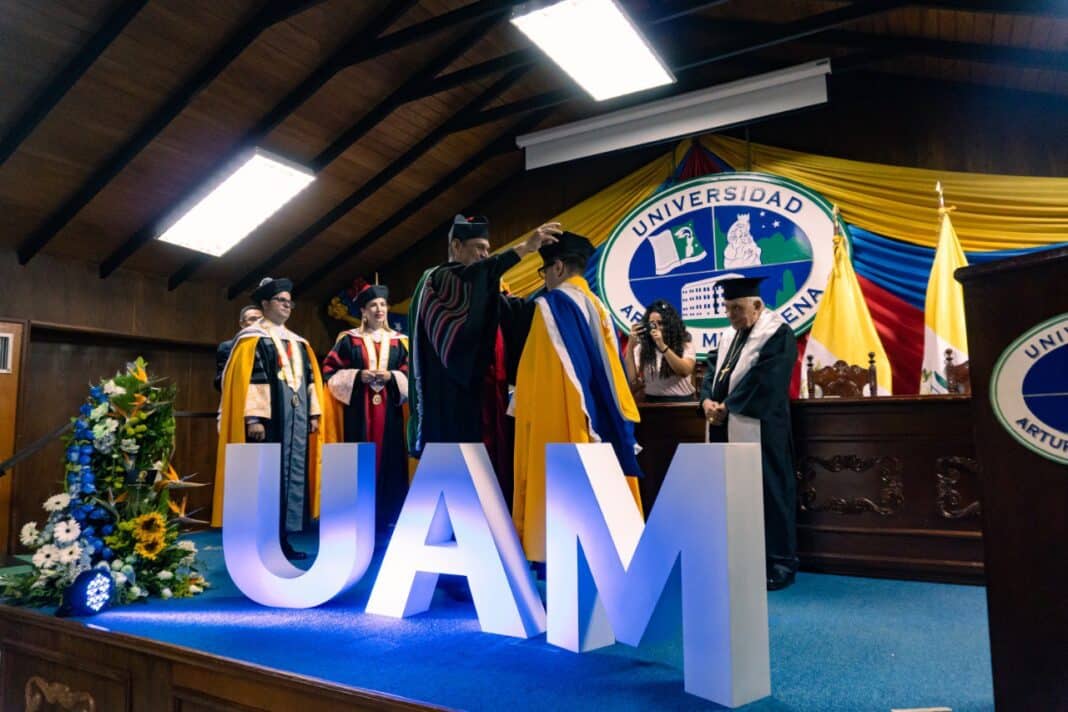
[{"x": 941, "y": 197}]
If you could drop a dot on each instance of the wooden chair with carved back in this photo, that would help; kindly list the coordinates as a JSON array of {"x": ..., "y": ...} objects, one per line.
[
  {"x": 842, "y": 380},
  {"x": 958, "y": 375}
]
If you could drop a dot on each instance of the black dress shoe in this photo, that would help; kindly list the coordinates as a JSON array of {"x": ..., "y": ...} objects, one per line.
[
  {"x": 290, "y": 553},
  {"x": 779, "y": 579}
]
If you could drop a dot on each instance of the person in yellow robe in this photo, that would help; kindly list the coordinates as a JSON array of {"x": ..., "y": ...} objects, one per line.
[
  {"x": 271, "y": 392},
  {"x": 570, "y": 385}
]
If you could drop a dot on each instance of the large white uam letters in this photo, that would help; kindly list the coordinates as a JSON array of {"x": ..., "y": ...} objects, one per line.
[
  {"x": 704, "y": 540},
  {"x": 251, "y": 544},
  {"x": 455, "y": 493}
]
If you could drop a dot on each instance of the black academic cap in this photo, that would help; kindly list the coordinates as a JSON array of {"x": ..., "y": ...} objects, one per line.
[
  {"x": 567, "y": 244},
  {"x": 269, "y": 287},
  {"x": 464, "y": 229},
  {"x": 370, "y": 292},
  {"x": 739, "y": 287}
]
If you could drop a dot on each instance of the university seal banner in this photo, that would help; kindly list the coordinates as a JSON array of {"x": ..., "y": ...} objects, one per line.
[
  {"x": 678, "y": 244},
  {"x": 1029, "y": 389}
]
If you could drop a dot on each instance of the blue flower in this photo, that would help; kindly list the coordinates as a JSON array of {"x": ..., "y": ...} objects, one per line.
[
  {"x": 98, "y": 393},
  {"x": 78, "y": 514},
  {"x": 88, "y": 531},
  {"x": 107, "y": 529},
  {"x": 85, "y": 410},
  {"x": 84, "y": 460},
  {"x": 88, "y": 488},
  {"x": 87, "y": 449},
  {"x": 107, "y": 553},
  {"x": 96, "y": 543},
  {"x": 99, "y": 513},
  {"x": 73, "y": 455},
  {"x": 87, "y": 472}
]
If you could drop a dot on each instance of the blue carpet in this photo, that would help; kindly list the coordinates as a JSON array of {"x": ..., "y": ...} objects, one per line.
[{"x": 837, "y": 643}]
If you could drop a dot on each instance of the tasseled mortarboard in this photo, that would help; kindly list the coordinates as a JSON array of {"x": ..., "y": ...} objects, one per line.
[
  {"x": 464, "y": 229},
  {"x": 371, "y": 292},
  {"x": 739, "y": 287},
  {"x": 269, "y": 287},
  {"x": 567, "y": 244}
]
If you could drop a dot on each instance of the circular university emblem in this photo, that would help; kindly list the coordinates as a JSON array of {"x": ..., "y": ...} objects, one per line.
[
  {"x": 678, "y": 244},
  {"x": 1029, "y": 389}
]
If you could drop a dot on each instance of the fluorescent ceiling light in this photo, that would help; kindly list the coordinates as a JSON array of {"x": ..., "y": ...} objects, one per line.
[
  {"x": 595, "y": 43},
  {"x": 257, "y": 188},
  {"x": 684, "y": 115}
]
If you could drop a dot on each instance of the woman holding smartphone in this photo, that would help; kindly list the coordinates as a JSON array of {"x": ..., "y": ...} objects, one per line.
[{"x": 660, "y": 356}]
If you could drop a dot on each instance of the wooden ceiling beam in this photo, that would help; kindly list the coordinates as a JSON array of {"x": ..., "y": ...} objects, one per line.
[
  {"x": 396, "y": 167},
  {"x": 481, "y": 10},
  {"x": 365, "y": 44},
  {"x": 72, "y": 71},
  {"x": 234, "y": 45},
  {"x": 353, "y": 134},
  {"x": 504, "y": 143},
  {"x": 665, "y": 12},
  {"x": 293, "y": 100}
]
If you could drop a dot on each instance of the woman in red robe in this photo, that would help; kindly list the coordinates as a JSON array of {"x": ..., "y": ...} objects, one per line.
[{"x": 366, "y": 373}]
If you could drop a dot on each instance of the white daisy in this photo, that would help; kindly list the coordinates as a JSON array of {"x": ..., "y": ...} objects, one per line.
[
  {"x": 28, "y": 535},
  {"x": 116, "y": 564},
  {"x": 120, "y": 578},
  {"x": 70, "y": 554},
  {"x": 186, "y": 545},
  {"x": 46, "y": 557},
  {"x": 166, "y": 593},
  {"x": 57, "y": 503},
  {"x": 67, "y": 531},
  {"x": 164, "y": 575},
  {"x": 99, "y": 412},
  {"x": 112, "y": 389}
]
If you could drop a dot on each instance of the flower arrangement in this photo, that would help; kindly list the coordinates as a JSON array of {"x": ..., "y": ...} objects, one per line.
[{"x": 117, "y": 512}]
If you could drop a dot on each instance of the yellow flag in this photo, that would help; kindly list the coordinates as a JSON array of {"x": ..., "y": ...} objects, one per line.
[
  {"x": 943, "y": 311},
  {"x": 843, "y": 329}
]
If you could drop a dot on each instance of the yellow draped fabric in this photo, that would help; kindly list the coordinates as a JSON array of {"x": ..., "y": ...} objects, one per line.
[
  {"x": 548, "y": 409},
  {"x": 596, "y": 216},
  {"x": 232, "y": 421},
  {"x": 994, "y": 212}
]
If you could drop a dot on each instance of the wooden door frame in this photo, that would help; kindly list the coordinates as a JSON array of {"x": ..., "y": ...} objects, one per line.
[{"x": 9, "y": 534}]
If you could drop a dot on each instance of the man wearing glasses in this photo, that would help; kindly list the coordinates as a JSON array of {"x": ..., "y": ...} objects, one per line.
[{"x": 271, "y": 392}]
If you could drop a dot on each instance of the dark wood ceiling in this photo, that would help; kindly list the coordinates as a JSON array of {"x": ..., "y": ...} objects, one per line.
[{"x": 113, "y": 111}]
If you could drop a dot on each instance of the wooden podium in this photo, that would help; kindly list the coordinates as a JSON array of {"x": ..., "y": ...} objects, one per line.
[{"x": 1024, "y": 493}]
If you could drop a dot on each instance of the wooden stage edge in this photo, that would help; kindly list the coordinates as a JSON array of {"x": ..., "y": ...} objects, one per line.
[{"x": 58, "y": 660}]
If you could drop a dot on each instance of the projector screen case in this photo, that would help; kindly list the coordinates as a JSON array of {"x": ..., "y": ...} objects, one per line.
[{"x": 685, "y": 115}]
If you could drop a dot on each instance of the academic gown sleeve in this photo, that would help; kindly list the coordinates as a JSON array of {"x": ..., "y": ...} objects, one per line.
[
  {"x": 767, "y": 381},
  {"x": 222, "y": 355}
]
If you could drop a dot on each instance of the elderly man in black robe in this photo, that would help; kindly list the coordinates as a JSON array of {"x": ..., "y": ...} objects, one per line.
[{"x": 747, "y": 388}]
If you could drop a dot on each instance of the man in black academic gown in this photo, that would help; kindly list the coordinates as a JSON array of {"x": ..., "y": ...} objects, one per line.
[
  {"x": 466, "y": 339},
  {"x": 248, "y": 316},
  {"x": 271, "y": 392},
  {"x": 749, "y": 385}
]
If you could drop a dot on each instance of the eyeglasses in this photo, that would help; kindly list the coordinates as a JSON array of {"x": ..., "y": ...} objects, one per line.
[{"x": 284, "y": 302}]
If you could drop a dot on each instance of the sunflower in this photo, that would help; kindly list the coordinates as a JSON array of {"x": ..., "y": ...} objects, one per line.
[
  {"x": 149, "y": 548},
  {"x": 149, "y": 526}
]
